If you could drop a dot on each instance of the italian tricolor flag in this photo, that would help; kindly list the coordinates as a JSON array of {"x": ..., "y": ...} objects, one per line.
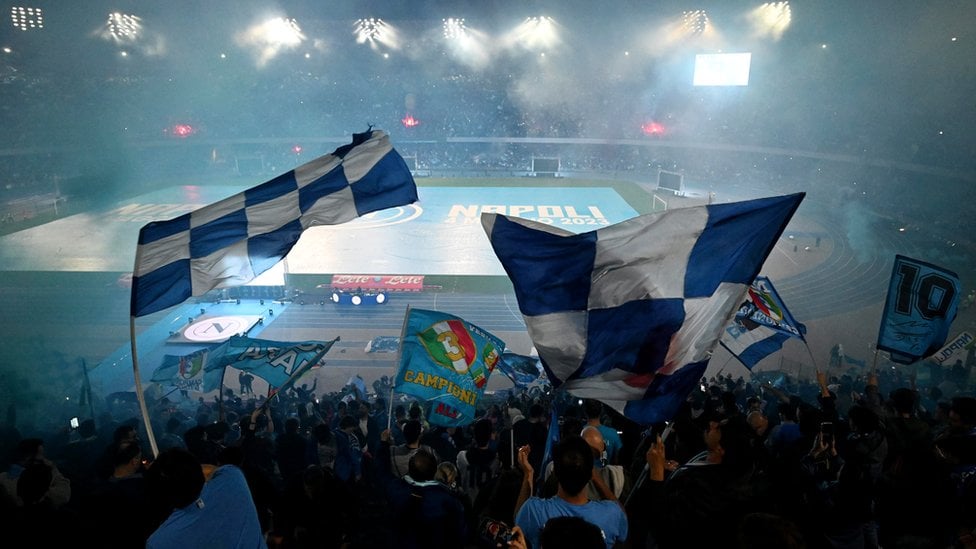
[{"x": 450, "y": 344}]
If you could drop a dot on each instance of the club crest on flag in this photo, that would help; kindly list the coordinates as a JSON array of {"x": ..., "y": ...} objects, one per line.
[
  {"x": 450, "y": 345},
  {"x": 190, "y": 366},
  {"x": 446, "y": 361},
  {"x": 763, "y": 301},
  {"x": 192, "y": 372},
  {"x": 761, "y": 325}
]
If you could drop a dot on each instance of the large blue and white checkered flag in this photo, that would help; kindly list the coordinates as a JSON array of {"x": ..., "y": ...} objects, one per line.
[
  {"x": 232, "y": 241},
  {"x": 629, "y": 314}
]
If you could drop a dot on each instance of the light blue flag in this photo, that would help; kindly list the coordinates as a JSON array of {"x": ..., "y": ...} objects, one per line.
[
  {"x": 193, "y": 372},
  {"x": 629, "y": 314},
  {"x": 446, "y": 361},
  {"x": 276, "y": 362},
  {"x": 521, "y": 369},
  {"x": 231, "y": 242},
  {"x": 761, "y": 325},
  {"x": 922, "y": 303}
]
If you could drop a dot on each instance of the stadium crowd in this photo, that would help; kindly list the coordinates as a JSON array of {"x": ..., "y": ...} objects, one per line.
[{"x": 856, "y": 459}]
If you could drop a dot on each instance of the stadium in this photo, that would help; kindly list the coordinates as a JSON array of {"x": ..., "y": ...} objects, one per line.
[{"x": 120, "y": 114}]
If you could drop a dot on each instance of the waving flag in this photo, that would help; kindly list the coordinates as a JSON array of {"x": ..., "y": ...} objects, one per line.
[
  {"x": 958, "y": 348},
  {"x": 629, "y": 314},
  {"x": 194, "y": 372},
  {"x": 276, "y": 362},
  {"x": 922, "y": 303},
  {"x": 273, "y": 361},
  {"x": 232, "y": 241},
  {"x": 761, "y": 325},
  {"x": 522, "y": 370},
  {"x": 446, "y": 361}
]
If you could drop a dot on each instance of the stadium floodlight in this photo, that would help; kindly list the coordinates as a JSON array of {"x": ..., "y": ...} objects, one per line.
[
  {"x": 369, "y": 29},
  {"x": 534, "y": 33},
  {"x": 694, "y": 22},
  {"x": 280, "y": 32},
  {"x": 376, "y": 32},
  {"x": 271, "y": 37},
  {"x": 542, "y": 30},
  {"x": 771, "y": 19},
  {"x": 25, "y": 18},
  {"x": 122, "y": 28},
  {"x": 468, "y": 46},
  {"x": 454, "y": 28}
]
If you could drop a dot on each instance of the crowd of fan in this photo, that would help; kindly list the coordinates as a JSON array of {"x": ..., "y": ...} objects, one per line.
[{"x": 848, "y": 461}]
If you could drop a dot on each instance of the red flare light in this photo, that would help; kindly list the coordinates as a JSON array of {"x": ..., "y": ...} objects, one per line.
[
  {"x": 297, "y": 149},
  {"x": 653, "y": 128},
  {"x": 409, "y": 121},
  {"x": 182, "y": 130}
]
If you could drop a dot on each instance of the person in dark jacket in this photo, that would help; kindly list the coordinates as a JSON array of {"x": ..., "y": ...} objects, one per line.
[
  {"x": 846, "y": 477},
  {"x": 698, "y": 504},
  {"x": 425, "y": 513}
]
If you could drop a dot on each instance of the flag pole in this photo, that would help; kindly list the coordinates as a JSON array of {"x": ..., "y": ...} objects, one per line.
[
  {"x": 726, "y": 363},
  {"x": 511, "y": 446},
  {"x": 812, "y": 359},
  {"x": 389, "y": 413},
  {"x": 88, "y": 391},
  {"x": 142, "y": 398},
  {"x": 396, "y": 365},
  {"x": 220, "y": 394}
]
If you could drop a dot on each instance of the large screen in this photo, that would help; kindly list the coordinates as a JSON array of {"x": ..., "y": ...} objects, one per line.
[
  {"x": 670, "y": 181},
  {"x": 722, "y": 69},
  {"x": 545, "y": 165}
]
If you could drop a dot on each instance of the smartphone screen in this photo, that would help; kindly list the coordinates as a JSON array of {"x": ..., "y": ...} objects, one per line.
[
  {"x": 827, "y": 432},
  {"x": 73, "y": 423}
]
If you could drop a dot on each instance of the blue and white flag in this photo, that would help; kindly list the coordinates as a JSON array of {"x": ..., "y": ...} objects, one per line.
[
  {"x": 957, "y": 348},
  {"x": 922, "y": 302},
  {"x": 446, "y": 361},
  {"x": 629, "y": 314},
  {"x": 761, "y": 325},
  {"x": 231, "y": 242}
]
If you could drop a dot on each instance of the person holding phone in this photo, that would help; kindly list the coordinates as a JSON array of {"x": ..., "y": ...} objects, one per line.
[
  {"x": 848, "y": 476},
  {"x": 714, "y": 488},
  {"x": 827, "y": 433}
]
